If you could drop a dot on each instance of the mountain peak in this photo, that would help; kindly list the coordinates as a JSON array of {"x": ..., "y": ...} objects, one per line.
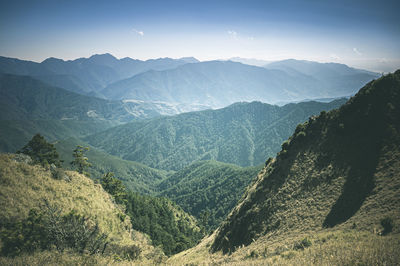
[
  {"x": 104, "y": 59},
  {"x": 189, "y": 59}
]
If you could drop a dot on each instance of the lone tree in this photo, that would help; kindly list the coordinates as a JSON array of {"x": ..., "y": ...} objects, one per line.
[
  {"x": 41, "y": 151},
  {"x": 80, "y": 161},
  {"x": 114, "y": 187}
]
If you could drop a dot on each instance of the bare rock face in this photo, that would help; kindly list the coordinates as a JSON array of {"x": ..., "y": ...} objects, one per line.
[{"x": 22, "y": 158}]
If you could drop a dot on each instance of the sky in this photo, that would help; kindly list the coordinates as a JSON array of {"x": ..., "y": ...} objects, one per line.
[{"x": 359, "y": 33}]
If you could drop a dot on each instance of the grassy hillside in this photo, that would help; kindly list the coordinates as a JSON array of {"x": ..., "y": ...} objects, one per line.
[
  {"x": 208, "y": 189},
  {"x": 25, "y": 187},
  {"x": 244, "y": 134},
  {"x": 135, "y": 176},
  {"x": 339, "y": 170}
]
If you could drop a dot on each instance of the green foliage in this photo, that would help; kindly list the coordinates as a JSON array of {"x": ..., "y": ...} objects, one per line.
[
  {"x": 80, "y": 161},
  {"x": 244, "y": 134},
  {"x": 166, "y": 224},
  {"x": 355, "y": 162},
  {"x": 114, "y": 187},
  {"x": 41, "y": 151},
  {"x": 285, "y": 145},
  {"x": 135, "y": 176},
  {"x": 387, "y": 224},
  {"x": 208, "y": 190},
  {"x": 49, "y": 228}
]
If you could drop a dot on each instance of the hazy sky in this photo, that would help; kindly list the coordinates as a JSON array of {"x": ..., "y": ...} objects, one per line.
[{"x": 359, "y": 33}]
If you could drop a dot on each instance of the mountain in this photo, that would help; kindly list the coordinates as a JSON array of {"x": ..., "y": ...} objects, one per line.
[
  {"x": 339, "y": 170},
  {"x": 29, "y": 106},
  {"x": 86, "y": 75},
  {"x": 331, "y": 76},
  {"x": 220, "y": 83},
  {"x": 24, "y": 98},
  {"x": 250, "y": 61},
  {"x": 208, "y": 190},
  {"x": 316, "y": 69},
  {"x": 243, "y": 134}
]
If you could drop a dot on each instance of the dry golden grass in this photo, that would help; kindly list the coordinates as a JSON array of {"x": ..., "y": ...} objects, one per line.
[
  {"x": 328, "y": 247},
  {"x": 23, "y": 187}
]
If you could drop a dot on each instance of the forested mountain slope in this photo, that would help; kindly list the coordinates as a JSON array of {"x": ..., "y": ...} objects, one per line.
[
  {"x": 207, "y": 189},
  {"x": 29, "y": 106},
  {"x": 243, "y": 133},
  {"x": 338, "y": 170}
]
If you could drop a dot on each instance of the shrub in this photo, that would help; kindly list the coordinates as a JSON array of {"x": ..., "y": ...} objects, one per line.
[
  {"x": 305, "y": 243},
  {"x": 387, "y": 224},
  {"x": 58, "y": 173},
  {"x": 285, "y": 145},
  {"x": 43, "y": 230}
]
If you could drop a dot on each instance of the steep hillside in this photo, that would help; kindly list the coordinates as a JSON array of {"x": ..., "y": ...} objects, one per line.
[
  {"x": 338, "y": 170},
  {"x": 220, "y": 83},
  {"x": 208, "y": 189},
  {"x": 25, "y": 187},
  {"x": 243, "y": 134},
  {"x": 165, "y": 222}
]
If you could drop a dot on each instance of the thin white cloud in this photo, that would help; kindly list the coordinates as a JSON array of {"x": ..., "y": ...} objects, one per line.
[
  {"x": 356, "y": 51},
  {"x": 141, "y": 33},
  {"x": 334, "y": 56},
  {"x": 233, "y": 34}
]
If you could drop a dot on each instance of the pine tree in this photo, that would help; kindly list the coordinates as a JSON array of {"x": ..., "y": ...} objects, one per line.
[
  {"x": 80, "y": 161},
  {"x": 41, "y": 151},
  {"x": 115, "y": 187}
]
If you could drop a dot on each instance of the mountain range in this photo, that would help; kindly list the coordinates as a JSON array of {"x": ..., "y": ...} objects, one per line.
[
  {"x": 190, "y": 83},
  {"x": 220, "y": 83},
  {"x": 86, "y": 75}
]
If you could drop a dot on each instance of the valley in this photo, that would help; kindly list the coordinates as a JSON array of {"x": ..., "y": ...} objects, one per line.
[{"x": 189, "y": 162}]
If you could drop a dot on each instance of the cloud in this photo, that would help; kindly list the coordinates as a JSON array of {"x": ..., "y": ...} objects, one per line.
[
  {"x": 141, "y": 33},
  {"x": 334, "y": 56},
  {"x": 233, "y": 34},
  {"x": 356, "y": 51}
]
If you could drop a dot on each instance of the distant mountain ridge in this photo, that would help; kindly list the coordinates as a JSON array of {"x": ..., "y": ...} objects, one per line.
[
  {"x": 84, "y": 75},
  {"x": 220, "y": 83}
]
